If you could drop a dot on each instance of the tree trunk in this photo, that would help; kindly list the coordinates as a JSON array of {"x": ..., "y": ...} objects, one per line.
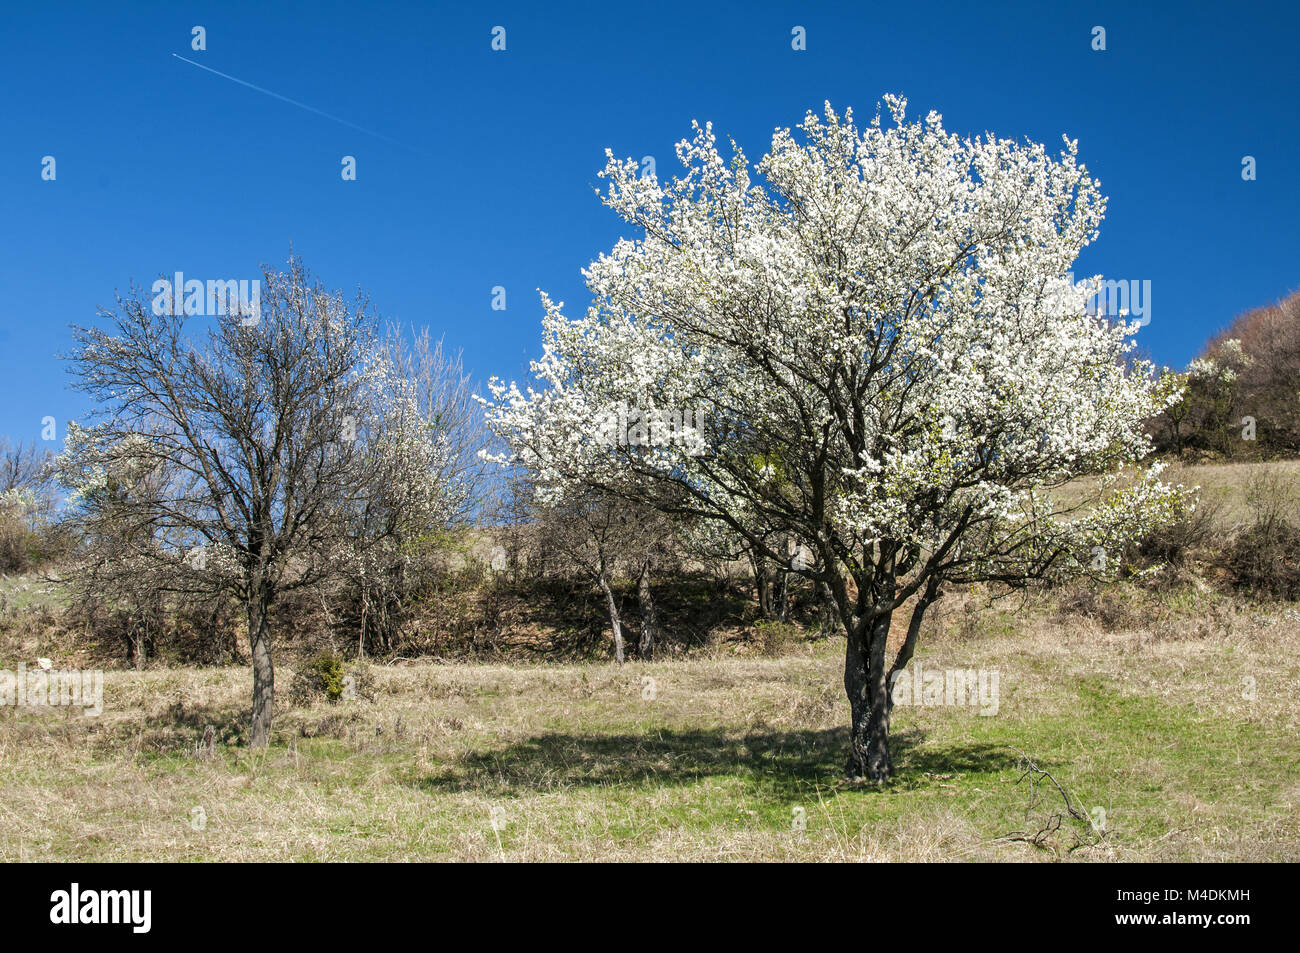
[
  {"x": 649, "y": 618},
  {"x": 615, "y": 622},
  {"x": 259, "y": 639},
  {"x": 763, "y": 584},
  {"x": 866, "y": 685},
  {"x": 869, "y": 683},
  {"x": 855, "y": 686},
  {"x": 138, "y": 646},
  {"x": 827, "y": 621},
  {"x": 365, "y": 604}
]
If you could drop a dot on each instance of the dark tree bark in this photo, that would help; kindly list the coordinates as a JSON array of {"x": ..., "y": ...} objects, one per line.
[
  {"x": 869, "y": 683},
  {"x": 826, "y": 623},
  {"x": 855, "y": 687},
  {"x": 140, "y": 641},
  {"x": 865, "y": 684},
  {"x": 762, "y": 584}
]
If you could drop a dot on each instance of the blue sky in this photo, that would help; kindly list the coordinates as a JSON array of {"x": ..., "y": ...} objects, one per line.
[{"x": 163, "y": 167}]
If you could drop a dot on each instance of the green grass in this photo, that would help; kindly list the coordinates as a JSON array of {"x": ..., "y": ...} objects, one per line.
[{"x": 30, "y": 591}]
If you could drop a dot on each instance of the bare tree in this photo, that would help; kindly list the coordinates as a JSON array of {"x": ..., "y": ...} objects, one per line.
[
  {"x": 1268, "y": 388},
  {"x": 602, "y": 535},
  {"x": 22, "y": 465},
  {"x": 268, "y": 439},
  {"x": 1242, "y": 392}
]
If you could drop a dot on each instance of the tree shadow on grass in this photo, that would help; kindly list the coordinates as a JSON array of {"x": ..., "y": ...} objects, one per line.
[
  {"x": 180, "y": 727},
  {"x": 918, "y": 764},
  {"x": 780, "y": 764}
]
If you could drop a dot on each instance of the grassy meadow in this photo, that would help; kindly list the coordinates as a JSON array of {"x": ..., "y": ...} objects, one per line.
[{"x": 1176, "y": 715}]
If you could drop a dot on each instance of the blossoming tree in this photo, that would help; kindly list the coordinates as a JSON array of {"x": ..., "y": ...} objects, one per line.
[{"x": 893, "y": 367}]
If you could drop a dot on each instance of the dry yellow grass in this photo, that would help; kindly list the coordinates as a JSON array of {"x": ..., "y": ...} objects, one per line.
[
  {"x": 1183, "y": 728},
  {"x": 1221, "y": 486}
]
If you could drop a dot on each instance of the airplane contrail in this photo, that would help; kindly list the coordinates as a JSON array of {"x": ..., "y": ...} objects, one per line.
[{"x": 292, "y": 102}]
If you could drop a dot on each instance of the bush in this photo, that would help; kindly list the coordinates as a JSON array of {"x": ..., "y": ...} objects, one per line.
[
  {"x": 19, "y": 543},
  {"x": 1175, "y": 542},
  {"x": 323, "y": 674},
  {"x": 775, "y": 637},
  {"x": 1109, "y": 607},
  {"x": 1265, "y": 559},
  {"x": 361, "y": 682}
]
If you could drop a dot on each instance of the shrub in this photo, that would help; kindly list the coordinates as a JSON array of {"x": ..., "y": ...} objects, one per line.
[
  {"x": 1274, "y": 500},
  {"x": 1265, "y": 559},
  {"x": 19, "y": 541},
  {"x": 775, "y": 637},
  {"x": 362, "y": 682},
  {"x": 1110, "y": 608},
  {"x": 1175, "y": 542},
  {"x": 323, "y": 674}
]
